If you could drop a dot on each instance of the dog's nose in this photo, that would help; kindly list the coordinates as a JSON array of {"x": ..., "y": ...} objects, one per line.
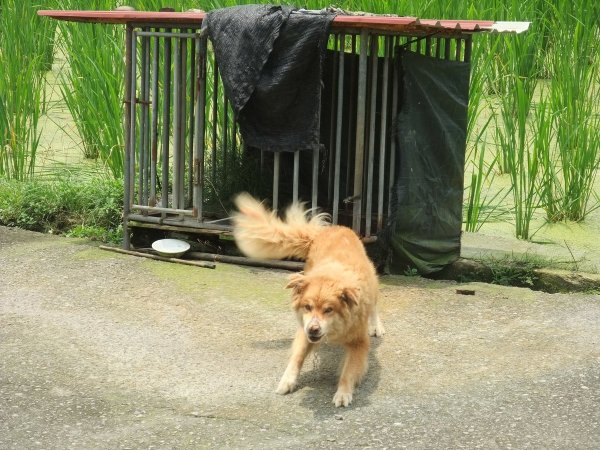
[{"x": 314, "y": 330}]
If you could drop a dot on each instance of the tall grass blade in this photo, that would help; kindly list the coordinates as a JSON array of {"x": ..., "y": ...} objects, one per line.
[{"x": 24, "y": 42}]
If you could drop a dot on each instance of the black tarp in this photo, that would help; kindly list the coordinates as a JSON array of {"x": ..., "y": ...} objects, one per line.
[
  {"x": 270, "y": 61},
  {"x": 424, "y": 229}
]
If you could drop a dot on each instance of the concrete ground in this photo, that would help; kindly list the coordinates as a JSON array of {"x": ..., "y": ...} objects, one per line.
[{"x": 100, "y": 350}]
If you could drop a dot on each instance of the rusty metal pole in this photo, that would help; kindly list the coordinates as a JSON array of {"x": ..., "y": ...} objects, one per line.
[
  {"x": 154, "y": 126},
  {"x": 200, "y": 126},
  {"x": 338, "y": 130},
  {"x": 166, "y": 122},
  {"x": 127, "y": 193},
  {"x": 359, "y": 152},
  {"x": 383, "y": 131},
  {"x": 372, "y": 117}
]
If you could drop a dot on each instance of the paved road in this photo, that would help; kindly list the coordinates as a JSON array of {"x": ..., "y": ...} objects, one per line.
[{"x": 99, "y": 350}]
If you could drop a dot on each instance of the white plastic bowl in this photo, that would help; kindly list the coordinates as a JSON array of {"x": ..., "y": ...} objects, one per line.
[{"x": 171, "y": 248}]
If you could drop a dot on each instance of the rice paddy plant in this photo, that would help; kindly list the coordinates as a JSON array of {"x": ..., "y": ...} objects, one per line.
[
  {"x": 93, "y": 81},
  {"x": 543, "y": 136},
  {"x": 530, "y": 62},
  {"x": 92, "y": 85},
  {"x": 520, "y": 71},
  {"x": 479, "y": 207},
  {"x": 482, "y": 58},
  {"x": 24, "y": 41},
  {"x": 574, "y": 96},
  {"x": 522, "y": 165}
]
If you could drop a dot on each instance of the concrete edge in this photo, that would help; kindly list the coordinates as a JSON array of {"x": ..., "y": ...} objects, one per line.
[{"x": 541, "y": 279}]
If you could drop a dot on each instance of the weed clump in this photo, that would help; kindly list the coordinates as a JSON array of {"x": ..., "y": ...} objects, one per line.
[{"x": 82, "y": 208}]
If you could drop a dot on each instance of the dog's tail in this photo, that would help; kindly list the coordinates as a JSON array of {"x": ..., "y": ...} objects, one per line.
[{"x": 261, "y": 234}]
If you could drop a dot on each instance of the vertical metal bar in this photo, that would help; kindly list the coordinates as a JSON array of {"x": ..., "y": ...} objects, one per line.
[
  {"x": 296, "y": 175},
  {"x": 199, "y": 128},
  {"x": 215, "y": 116},
  {"x": 166, "y": 123},
  {"x": 262, "y": 161},
  {"x": 276, "y": 161},
  {"x": 438, "y": 47},
  {"x": 395, "y": 93},
  {"x": 351, "y": 116},
  {"x": 458, "y": 48},
  {"x": 447, "y": 48},
  {"x": 315, "y": 180},
  {"x": 154, "y": 126},
  {"x": 383, "y": 133},
  {"x": 144, "y": 88},
  {"x": 176, "y": 123},
  {"x": 128, "y": 188},
  {"x": 468, "y": 47},
  {"x": 224, "y": 137},
  {"x": 338, "y": 130},
  {"x": 428, "y": 46},
  {"x": 132, "y": 117},
  {"x": 372, "y": 116},
  {"x": 182, "y": 105},
  {"x": 360, "y": 131},
  {"x": 192, "y": 124},
  {"x": 332, "y": 123}
]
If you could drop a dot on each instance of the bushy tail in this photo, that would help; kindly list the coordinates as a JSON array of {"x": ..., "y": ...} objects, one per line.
[{"x": 261, "y": 234}]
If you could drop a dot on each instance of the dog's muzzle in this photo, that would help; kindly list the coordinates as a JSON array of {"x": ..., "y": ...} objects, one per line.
[{"x": 314, "y": 332}]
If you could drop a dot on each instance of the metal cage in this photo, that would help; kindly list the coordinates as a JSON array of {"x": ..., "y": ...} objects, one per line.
[{"x": 185, "y": 156}]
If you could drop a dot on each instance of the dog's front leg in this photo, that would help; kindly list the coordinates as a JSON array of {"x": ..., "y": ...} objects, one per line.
[
  {"x": 354, "y": 368},
  {"x": 300, "y": 348}
]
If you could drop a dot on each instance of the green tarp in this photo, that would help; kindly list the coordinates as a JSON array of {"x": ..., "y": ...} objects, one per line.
[{"x": 424, "y": 229}]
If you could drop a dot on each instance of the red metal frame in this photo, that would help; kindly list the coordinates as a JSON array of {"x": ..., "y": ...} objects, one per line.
[{"x": 398, "y": 24}]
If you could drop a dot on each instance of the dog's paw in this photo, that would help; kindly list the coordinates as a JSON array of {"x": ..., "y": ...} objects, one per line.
[
  {"x": 286, "y": 386},
  {"x": 377, "y": 331},
  {"x": 342, "y": 399}
]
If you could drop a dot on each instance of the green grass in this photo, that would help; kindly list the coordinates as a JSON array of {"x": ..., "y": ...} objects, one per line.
[{"x": 90, "y": 207}]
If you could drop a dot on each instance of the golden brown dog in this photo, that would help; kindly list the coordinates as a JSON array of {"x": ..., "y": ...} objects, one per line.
[{"x": 335, "y": 298}]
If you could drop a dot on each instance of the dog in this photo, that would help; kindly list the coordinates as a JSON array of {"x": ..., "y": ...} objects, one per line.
[{"x": 335, "y": 298}]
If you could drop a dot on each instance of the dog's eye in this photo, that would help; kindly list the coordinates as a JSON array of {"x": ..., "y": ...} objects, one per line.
[
  {"x": 308, "y": 307},
  {"x": 328, "y": 310}
]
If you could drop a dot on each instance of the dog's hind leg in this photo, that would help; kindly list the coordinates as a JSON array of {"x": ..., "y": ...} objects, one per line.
[
  {"x": 300, "y": 348},
  {"x": 354, "y": 368}
]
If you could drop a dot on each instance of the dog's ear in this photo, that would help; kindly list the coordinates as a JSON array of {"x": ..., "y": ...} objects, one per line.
[
  {"x": 350, "y": 296},
  {"x": 297, "y": 282}
]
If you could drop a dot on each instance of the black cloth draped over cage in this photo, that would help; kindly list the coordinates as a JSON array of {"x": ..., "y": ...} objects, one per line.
[
  {"x": 279, "y": 77},
  {"x": 270, "y": 60}
]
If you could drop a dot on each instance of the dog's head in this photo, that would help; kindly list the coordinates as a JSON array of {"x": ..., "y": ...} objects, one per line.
[{"x": 323, "y": 304}]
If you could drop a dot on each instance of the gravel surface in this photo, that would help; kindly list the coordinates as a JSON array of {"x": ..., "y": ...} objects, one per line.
[{"x": 101, "y": 350}]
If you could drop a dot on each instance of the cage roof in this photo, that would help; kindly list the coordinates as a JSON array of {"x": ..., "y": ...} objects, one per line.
[{"x": 412, "y": 25}]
